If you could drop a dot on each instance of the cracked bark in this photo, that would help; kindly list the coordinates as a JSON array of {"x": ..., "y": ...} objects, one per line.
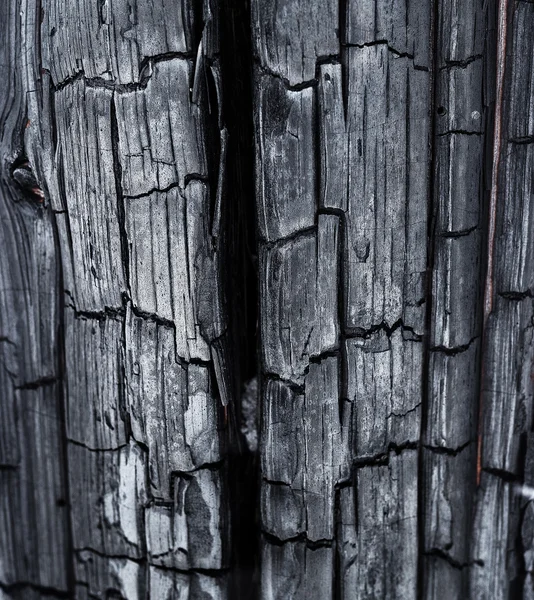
[
  {"x": 119, "y": 267},
  {"x": 386, "y": 264}
]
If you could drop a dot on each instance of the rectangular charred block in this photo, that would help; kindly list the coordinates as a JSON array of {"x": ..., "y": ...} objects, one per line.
[
  {"x": 388, "y": 136},
  {"x": 96, "y": 575},
  {"x": 459, "y": 183},
  {"x": 95, "y": 411},
  {"x": 460, "y": 99},
  {"x": 112, "y": 40},
  {"x": 174, "y": 269},
  {"x": 452, "y": 405},
  {"x": 293, "y": 570},
  {"x": 161, "y": 131},
  {"x": 303, "y": 456},
  {"x": 519, "y": 119},
  {"x": 490, "y": 543},
  {"x": 462, "y": 32},
  {"x": 90, "y": 237},
  {"x": 34, "y": 518},
  {"x": 457, "y": 291},
  {"x": 448, "y": 497},
  {"x": 299, "y": 300},
  {"x": 378, "y": 544},
  {"x": 384, "y": 386},
  {"x": 290, "y": 37},
  {"x": 285, "y": 158},
  {"x": 404, "y": 26},
  {"x": 191, "y": 532},
  {"x": 507, "y": 385},
  {"x": 107, "y": 503},
  {"x": 514, "y": 243},
  {"x": 332, "y": 138},
  {"x": 172, "y": 585},
  {"x": 172, "y": 407}
]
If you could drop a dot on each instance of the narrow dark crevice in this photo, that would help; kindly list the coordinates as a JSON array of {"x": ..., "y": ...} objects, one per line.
[
  {"x": 427, "y": 338},
  {"x": 62, "y": 394},
  {"x": 241, "y": 282},
  {"x": 121, "y": 217},
  {"x": 490, "y": 88},
  {"x": 455, "y": 564},
  {"x": 382, "y": 458}
]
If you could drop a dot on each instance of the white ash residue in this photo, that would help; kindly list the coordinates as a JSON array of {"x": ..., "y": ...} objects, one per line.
[{"x": 249, "y": 414}]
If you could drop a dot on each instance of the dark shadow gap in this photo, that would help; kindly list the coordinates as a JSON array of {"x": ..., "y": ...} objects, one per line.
[{"x": 241, "y": 281}]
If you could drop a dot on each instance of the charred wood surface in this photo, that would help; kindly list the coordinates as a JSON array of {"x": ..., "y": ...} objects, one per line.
[{"x": 266, "y": 299}]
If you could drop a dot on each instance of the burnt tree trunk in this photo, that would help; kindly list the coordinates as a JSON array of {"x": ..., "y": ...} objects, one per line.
[
  {"x": 266, "y": 299},
  {"x": 115, "y": 364}
]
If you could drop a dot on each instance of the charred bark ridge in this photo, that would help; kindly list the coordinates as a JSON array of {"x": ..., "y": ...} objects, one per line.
[{"x": 266, "y": 299}]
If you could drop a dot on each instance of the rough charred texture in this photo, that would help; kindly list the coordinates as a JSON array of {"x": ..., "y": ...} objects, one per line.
[
  {"x": 388, "y": 420},
  {"x": 114, "y": 350},
  {"x": 342, "y": 164},
  {"x": 34, "y": 521},
  {"x": 502, "y": 539},
  {"x": 461, "y": 180},
  {"x": 377, "y": 116}
]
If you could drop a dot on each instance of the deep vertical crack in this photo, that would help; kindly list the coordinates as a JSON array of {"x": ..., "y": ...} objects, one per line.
[
  {"x": 241, "y": 281},
  {"x": 427, "y": 341},
  {"x": 61, "y": 374},
  {"x": 117, "y": 168}
]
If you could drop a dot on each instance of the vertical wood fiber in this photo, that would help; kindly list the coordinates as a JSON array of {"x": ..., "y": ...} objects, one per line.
[
  {"x": 113, "y": 462},
  {"x": 393, "y": 175}
]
